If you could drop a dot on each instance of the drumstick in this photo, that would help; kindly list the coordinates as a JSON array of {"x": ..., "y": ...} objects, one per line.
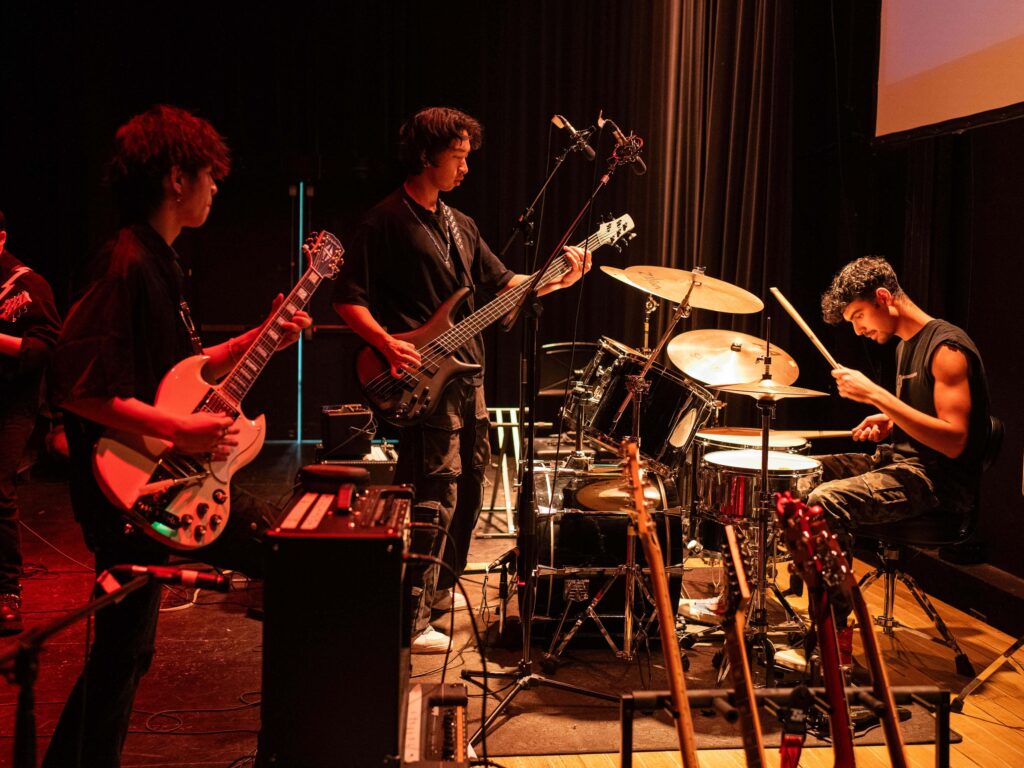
[
  {"x": 813, "y": 434},
  {"x": 803, "y": 326}
]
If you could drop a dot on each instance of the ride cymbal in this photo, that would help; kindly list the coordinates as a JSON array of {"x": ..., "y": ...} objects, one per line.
[{"x": 726, "y": 357}]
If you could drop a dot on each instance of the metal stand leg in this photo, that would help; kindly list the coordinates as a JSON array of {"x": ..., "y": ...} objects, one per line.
[{"x": 1006, "y": 657}]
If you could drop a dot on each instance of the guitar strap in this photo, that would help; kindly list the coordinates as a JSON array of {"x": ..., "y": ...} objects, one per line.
[{"x": 185, "y": 313}]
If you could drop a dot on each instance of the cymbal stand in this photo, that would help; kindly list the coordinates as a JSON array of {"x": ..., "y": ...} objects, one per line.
[
  {"x": 759, "y": 613},
  {"x": 650, "y": 307}
]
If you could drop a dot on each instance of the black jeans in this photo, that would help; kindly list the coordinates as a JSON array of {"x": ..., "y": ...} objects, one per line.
[
  {"x": 16, "y": 423},
  {"x": 445, "y": 459},
  {"x": 94, "y": 723}
]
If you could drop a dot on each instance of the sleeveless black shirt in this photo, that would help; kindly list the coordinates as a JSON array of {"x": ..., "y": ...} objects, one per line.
[{"x": 956, "y": 480}]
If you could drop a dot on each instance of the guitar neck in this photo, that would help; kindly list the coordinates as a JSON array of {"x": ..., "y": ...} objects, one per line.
[
  {"x": 736, "y": 646},
  {"x": 456, "y": 336},
  {"x": 239, "y": 381}
]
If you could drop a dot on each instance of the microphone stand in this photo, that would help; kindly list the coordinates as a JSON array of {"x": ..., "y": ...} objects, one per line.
[
  {"x": 21, "y": 666},
  {"x": 526, "y": 509}
]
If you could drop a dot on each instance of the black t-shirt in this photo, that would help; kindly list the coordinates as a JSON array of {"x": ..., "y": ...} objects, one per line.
[
  {"x": 395, "y": 266},
  {"x": 26, "y": 299},
  {"x": 119, "y": 340},
  {"x": 956, "y": 478}
]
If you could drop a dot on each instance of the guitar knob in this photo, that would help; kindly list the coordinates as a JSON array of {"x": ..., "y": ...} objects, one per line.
[
  {"x": 186, "y": 521},
  {"x": 202, "y": 508},
  {"x": 215, "y": 521},
  {"x": 220, "y": 496},
  {"x": 199, "y": 532}
]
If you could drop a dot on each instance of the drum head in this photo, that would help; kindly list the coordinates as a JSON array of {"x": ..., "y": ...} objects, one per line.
[
  {"x": 744, "y": 437},
  {"x": 748, "y": 461}
]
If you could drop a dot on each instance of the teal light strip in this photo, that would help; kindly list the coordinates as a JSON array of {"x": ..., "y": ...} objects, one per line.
[{"x": 301, "y": 270}]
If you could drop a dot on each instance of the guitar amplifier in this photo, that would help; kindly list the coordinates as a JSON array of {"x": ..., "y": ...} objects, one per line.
[{"x": 336, "y": 632}]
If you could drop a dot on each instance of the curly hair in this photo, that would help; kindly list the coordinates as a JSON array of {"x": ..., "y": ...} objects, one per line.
[
  {"x": 857, "y": 280},
  {"x": 430, "y": 131},
  {"x": 149, "y": 145}
]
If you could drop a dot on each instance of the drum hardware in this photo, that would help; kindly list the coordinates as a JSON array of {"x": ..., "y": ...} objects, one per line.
[{"x": 766, "y": 393}]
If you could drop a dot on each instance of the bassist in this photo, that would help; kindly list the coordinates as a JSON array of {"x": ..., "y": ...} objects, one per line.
[
  {"x": 127, "y": 330},
  {"x": 408, "y": 256}
]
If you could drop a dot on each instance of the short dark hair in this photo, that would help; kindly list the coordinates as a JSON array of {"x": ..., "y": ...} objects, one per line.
[
  {"x": 431, "y": 131},
  {"x": 149, "y": 145},
  {"x": 858, "y": 280}
]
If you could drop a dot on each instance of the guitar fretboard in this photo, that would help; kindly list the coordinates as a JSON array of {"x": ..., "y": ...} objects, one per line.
[{"x": 229, "y": 394}]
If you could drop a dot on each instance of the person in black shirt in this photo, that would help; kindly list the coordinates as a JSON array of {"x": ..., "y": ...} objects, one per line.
[
  {"x": 932, "y": 431},
  {"x": 29, "y": 325},
  {"x": 412, "y": 252},
  {"x": 128, "y": 329}
]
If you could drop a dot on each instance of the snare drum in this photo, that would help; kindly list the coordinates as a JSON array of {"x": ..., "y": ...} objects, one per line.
[
  {"x": 728, "y": 439},
  {"x": 729, "y": 488},
  {"x": 671, "y": 411}
]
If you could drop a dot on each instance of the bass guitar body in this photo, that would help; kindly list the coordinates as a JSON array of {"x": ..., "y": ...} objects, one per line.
[
  {"x": 409, "y": 400},
  {"x": 183, "y": 500}
]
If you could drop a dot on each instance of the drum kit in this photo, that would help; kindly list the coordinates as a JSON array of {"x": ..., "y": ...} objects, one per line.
[{"x": 701, "y": 476}]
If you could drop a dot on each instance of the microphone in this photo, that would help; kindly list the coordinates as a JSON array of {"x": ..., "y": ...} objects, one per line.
[
  {"x": 166, "y": 574},
  {"x": 504, "y": 559},
  {"x": 579, "y": 138},
  {"x": 632, "y": 143}
]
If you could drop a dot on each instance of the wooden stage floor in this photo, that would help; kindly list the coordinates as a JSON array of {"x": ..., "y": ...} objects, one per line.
[{"x": 224, "y": 687}]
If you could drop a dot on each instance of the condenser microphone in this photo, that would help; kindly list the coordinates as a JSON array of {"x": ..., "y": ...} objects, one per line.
[
  {"x": 632, "y": 142},
  {"x": 579, "y": 138},
  {"x": 166, "y": 574}
]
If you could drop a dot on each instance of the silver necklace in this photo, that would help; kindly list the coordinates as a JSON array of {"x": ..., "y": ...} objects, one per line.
[{"x": 444, "y": 253}]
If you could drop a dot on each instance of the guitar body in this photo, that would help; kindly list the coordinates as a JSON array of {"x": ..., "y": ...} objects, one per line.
[
  {"x": 134, "y": 471},
  {"x": 410, "y": 400}
]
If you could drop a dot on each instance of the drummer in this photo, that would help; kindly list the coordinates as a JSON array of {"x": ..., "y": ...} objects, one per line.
[{"x": 931, "y": 432}]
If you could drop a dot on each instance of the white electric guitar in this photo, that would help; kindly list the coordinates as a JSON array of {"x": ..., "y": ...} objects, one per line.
[{"x": 180, "y": 499}]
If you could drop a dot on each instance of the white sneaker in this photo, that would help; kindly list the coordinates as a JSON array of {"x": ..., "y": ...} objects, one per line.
[
  {"x": 444, "y": 598},
  {"x": 430, "y": 641}
]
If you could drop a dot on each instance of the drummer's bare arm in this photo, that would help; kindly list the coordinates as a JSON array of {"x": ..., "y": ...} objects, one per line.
[
  {"x": 580, "y": 263},
  {"x": 946, "y": 432}
]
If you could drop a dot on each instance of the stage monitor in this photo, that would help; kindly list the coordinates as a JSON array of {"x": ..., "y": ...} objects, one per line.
[{"x": 946, "y": 65}]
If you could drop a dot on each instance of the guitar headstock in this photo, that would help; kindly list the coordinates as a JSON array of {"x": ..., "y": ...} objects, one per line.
[
  {"x": 15, "y": 307},
  {"x": 816, "y": 552},
  {"x": 634, "y": 481},
  {"x": 616, "y": 232},
  {"x": 324, "y": 252},
  {"x": 736, "y": 562}
]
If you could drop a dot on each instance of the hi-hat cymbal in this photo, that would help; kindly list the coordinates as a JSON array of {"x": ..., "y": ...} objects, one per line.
[
  {"x": 769, "y": 389},
  {"x": 727, "y": 357},
  {"x": 620, "y": 275},
  {"x": 708, "y": 292}
]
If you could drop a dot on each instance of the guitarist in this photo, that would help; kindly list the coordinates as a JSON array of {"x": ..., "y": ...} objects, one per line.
[
  {"x": 28, "y": 332},
  {"x": 931, "y": 432},
  {"x": 411, "y": 253},
  {"x": 128, "y": 329}
]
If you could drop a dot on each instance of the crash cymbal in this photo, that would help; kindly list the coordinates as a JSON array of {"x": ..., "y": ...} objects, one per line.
[
  {"x": 723, "y": 357},
  {"x": 708, "y": 292},
  {"x": 769, "y": 389},
  {"x": 620, "y": 275}
]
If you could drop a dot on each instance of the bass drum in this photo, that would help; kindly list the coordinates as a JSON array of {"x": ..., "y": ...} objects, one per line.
[
  {"x": 582, "y": 536},
  {"x": 729, "y": 490}
]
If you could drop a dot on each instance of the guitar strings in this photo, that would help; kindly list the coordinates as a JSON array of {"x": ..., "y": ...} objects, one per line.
[{"x": 384, "y": 384}]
